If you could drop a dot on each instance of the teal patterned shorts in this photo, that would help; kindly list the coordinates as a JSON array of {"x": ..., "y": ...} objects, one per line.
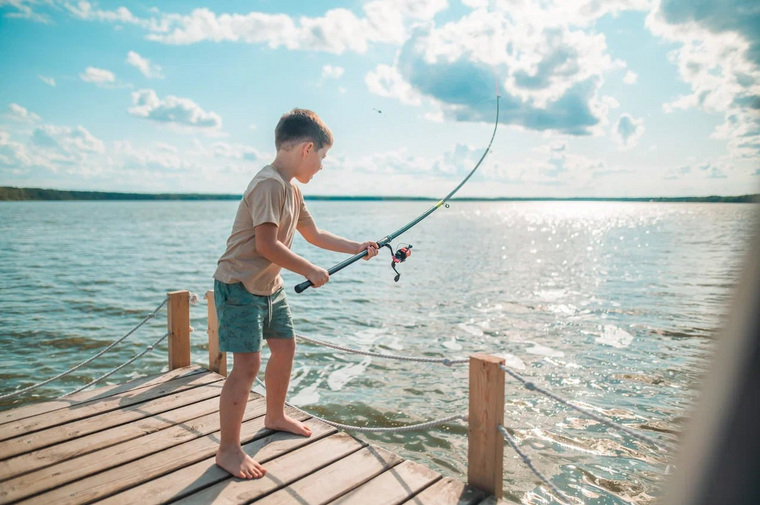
[{"x": 245, "y": 318}]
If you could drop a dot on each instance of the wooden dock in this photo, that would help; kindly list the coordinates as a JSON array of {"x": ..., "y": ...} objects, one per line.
[{"x": 153, "y": 440}]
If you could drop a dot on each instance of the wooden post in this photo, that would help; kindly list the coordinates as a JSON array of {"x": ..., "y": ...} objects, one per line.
[
  {"x": 217, "y": 360},
  {"x": 485, "y": 444},
  {"x": 179, "y": 329}
]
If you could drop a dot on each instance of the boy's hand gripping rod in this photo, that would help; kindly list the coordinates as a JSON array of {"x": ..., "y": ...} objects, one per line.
[{"x": 388, "y": 238}]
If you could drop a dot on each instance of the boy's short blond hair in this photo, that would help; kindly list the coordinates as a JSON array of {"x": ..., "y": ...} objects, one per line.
[{"x": 301, "y": 125}]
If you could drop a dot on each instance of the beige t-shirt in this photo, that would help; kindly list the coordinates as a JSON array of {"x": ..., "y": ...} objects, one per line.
[{"x": 268, "y": 199}]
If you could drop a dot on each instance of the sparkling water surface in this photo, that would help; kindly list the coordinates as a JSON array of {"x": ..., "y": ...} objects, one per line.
[{"x": 615, "y": 306}]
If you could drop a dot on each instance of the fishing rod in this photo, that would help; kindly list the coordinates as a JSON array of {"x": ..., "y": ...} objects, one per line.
[{"x": 402, "y": 253}]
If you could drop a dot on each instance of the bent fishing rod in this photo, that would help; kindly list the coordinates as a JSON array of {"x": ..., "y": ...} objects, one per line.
[{"x": 402, "y": 253}]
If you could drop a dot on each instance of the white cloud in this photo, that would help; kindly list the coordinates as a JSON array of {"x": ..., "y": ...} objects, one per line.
[
  {"x": 398, "y": 161},
  {"x": 710, "y": 170},
  {"x": 235, "y": 152},
  {"x": 148, "y": 69},
  {"x": 71, "y": 140},
  {"x": 337, "y": 31},
  {"x": 202, "y": 24},
  {"x": 719, "y": 57},
  {"x": 172, "y": 110},
  {"x": 47, "y": 80},
  {"x": 547, "y": 60},
  {"x": 162, "y": 157},
  {"x": 331, "y": 72},
  {"x": 552, "y": 165},
  {"x": 156, "y": 166},
  {"x": 628, "y": 131},
  {"x": 54, "y": 148},
  {"x": 19, "y": 113},
  {"x": 85, "y": 10},
  {"x": 451, "y": 164},
  {"x": 13, "y": 155},
  {"x": 677, "y": 172},
  {"x": 24, "y": 10},
  {"x": 548, "y": 76},
  {"x": 387, "y": 81},
  {"x": 98, "y": 76},
  {"x": 630, "y": 77}
]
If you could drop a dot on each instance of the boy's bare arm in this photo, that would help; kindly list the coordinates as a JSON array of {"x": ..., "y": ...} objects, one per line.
[
  {"x": 277, "y": 252},
  {"x": 326, "y": 240}
]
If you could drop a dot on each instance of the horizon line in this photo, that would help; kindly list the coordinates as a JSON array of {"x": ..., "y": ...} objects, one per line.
[{"x": 12, "y": 193}]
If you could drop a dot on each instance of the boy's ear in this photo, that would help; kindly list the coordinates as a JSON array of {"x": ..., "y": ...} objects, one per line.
[{"x": 305, "y": 148}]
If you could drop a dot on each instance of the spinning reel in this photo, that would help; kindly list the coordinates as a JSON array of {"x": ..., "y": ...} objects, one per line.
[{"x": 399, "y": 256}]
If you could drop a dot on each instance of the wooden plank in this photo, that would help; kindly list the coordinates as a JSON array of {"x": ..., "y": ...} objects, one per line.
[
  {"x": 99, "y": 406},
  {"x": 66, "y": 450},
  {"x": 145, "y": 470},
  {"x": 193, "y": 478},
  {"x": 74, "y": 469},
  {"x": 448, "y": 491},
  {"x": 178, "y": 322},
  {"x": 15, "y": 414},
  {"x": 334, "y": 480},
  {"x": 217, "y": 360},
  {"x": 67, "y": 433},
  {"x": 392, "y": 487},
  {"x": 485, "y": 444},
  {"x": 281, "y": 472}
]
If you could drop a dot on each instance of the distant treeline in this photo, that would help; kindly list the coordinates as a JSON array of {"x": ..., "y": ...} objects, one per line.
[{"x": 20, "y": 194}]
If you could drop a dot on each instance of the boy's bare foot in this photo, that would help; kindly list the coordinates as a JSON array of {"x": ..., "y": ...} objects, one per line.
[
  {"x": 239, "y": 464},
  {"x": 287, "y": 423}
]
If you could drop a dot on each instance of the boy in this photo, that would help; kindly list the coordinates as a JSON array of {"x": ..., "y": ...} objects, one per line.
[{"x": 248, "y": 290}]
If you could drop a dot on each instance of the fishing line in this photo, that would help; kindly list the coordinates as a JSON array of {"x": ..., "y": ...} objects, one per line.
[{"x": 386, "y": 241}]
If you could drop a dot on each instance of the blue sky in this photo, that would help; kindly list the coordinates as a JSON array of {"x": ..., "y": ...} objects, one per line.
[{"x": 622, "y": 98}]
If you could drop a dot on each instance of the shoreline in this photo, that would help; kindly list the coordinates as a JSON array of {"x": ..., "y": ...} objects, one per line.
[{"x": 13, "y": 194}]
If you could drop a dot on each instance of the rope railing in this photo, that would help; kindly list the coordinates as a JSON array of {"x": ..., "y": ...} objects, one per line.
[
  {"x": 128, "y": 362},
  {"x": 442, "y": 361},
  {"x": 527, "y": 384},
  {"x": 449, "y": 362},
  {"x": 530, "y": 465},
  {"x": 531, "y": 386},
  {"x": 90, "y": 360},
  {"x": 367, "y": 429}
]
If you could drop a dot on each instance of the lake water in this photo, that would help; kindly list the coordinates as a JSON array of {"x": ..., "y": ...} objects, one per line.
[{"x": 615, "y": 306}]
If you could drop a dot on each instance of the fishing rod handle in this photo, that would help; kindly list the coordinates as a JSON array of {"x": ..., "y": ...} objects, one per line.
[{"x": 300, "y": 288}]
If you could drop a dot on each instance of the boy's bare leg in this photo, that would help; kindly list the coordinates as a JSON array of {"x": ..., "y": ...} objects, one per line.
[
  {"x": 277, "y": 378},
  {"x": 232, "y": 404}
]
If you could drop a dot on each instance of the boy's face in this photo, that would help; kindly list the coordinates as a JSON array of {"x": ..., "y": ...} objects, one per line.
[{"x": 312, "y": 162}]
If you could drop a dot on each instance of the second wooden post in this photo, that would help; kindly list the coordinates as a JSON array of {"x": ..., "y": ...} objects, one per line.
[
  {"x": 179, "y": 329},
  {"x": 485, "y": 444},
  {"x": 217, "y": 360}
]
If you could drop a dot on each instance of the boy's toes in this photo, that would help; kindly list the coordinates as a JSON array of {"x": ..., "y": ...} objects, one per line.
[{"x": 239, "y": 464}]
